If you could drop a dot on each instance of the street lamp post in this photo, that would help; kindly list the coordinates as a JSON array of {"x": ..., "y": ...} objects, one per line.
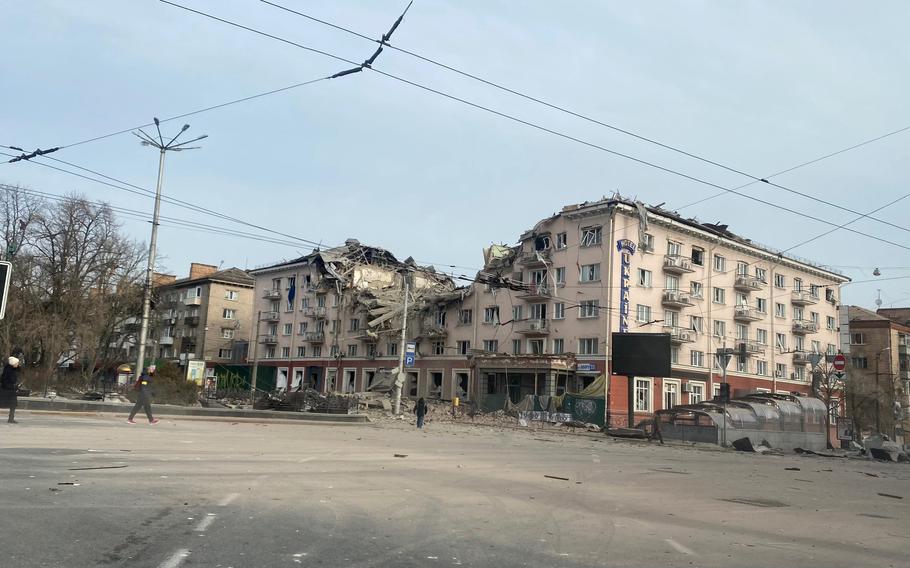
[
  {"x": 878, "y": 393},
  {"x": 171, "y": 146}
]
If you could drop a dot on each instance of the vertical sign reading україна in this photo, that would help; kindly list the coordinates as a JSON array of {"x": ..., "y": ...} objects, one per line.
[{"x": 626, "y": 249}]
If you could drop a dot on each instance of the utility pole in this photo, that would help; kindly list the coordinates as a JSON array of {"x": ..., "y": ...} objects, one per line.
[
  {"x": 255, "y": 360},
  {"x": 163, "y": 147},
  {"x": 402, "y": 376}
]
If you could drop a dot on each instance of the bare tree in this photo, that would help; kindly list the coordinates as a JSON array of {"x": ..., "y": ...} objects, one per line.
[{"x": 74, "y": 283}]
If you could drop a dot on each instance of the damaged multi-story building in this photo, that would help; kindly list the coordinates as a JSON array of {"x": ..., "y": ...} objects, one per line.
[
  {"x": 538, "y": 318},
  {"x": 332, "y": 320}
]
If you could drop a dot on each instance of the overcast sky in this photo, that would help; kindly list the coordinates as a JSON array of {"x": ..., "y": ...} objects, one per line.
[{"x": 758, "y": 86}]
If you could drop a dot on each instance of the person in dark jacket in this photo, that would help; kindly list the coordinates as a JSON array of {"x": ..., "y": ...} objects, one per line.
[
  {"x": 9, "y": 387},
  {"x": 421, "y": 411},
  {"x": 144, "y": 400}
]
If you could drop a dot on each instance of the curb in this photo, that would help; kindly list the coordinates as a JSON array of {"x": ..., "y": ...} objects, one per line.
[{"x": 94, "y": 407}]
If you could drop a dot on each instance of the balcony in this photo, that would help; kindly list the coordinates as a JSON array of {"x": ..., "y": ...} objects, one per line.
[
  {"x": 165, "y": 340},
  {"x": 317, "y": 312},
  {"x": 191, "y": 321},
  {"x": 534, "y": 257},
  {"x": 745, "y": 313},
  {"x": 194, "y": 301},
  {"x": 746, "y": 283},
  {"x": 677, "y": 264},
  {"x": 271, "y": 294},
  {"x": 803, "y": 298},
  {"x": 364, "y": 335},
  {"x": 270, "y": 316},
  {"x": 676, "y": 299},
  {"x": 314, "y": 337},
  {"x": 803, "y": 327},
  {"x": 268, "y": 339},
  {"x": 679, "y": 334},
  {"x": 535, "y": 292},
  {"x": 532, "y": 327},
  {"x": 801, "y": 358},
  {"x": 167, "y": 315},
  {"x": 752, "y": 347},
  {"x": 430, "y": 328}
]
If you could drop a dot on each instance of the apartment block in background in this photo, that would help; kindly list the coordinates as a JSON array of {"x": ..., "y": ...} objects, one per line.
[
  {"x": 877, "y": 347},
  {"x": 203, "y": 316}
]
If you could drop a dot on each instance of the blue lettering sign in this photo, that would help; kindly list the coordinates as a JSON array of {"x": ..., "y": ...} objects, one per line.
[{"x": 626, "y": 249}]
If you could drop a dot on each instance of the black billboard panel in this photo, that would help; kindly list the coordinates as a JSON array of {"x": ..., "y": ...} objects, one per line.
[{"x": 641, "y": 354}]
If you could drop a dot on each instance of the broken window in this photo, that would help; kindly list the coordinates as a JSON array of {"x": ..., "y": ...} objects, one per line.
[
  {"x": 355, "y": 324},
  {"x": 535, "y": 346},
  {"x": 647, "y": 243},
  {"x": 698, "y": 256},
  {"x": 462, "y": 381},
  {"x": 542, "y": 242},
  {"x": 391, "y": 349},
  {"x": 591, "y": 236},
  {"x": 436, "y": 377},
  {"x": 491, "y": 345},
  {"x": 463, "y": 347},
  {"x": 352, "y": 350},
  {"x": 491, "y": 314},
  {"x": 465, "y": 317},
  {"x": 439, "y": 348},
  {"x": 590, "y": 272},
  {"x": 441, "y": 318},
  {"x": 561, "y": 241}
]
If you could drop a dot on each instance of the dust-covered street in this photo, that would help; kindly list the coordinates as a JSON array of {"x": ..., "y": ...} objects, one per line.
[{"x": 95, "y": 491}]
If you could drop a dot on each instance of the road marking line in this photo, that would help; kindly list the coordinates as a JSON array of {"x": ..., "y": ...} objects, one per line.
[
  {"x": 205, "y": 522},
  {"x": 304, "y": 460},
  {"x": 176, "y": 559},
  {"x": 678, "y": 547},
  {"x": 228, "y": 499}
]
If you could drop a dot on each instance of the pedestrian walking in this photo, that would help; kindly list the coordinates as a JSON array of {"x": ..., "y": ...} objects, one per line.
[
  {"x": 421, "y": 411},
  {"x": 144, "y": 400},
  {"x": 9, "y": 388}
]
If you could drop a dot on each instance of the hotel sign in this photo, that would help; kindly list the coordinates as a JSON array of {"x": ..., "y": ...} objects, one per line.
[{"x": 626, "y": 249}]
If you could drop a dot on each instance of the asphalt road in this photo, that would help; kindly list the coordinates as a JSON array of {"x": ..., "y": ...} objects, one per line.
[{"x": 94, "y": 491}]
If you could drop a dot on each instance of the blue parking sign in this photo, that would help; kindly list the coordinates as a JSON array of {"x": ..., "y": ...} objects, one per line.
[{"x": 410, "y": 354}]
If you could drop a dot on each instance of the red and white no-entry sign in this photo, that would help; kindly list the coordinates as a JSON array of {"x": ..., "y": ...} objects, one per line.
[{"x": 839, "y": 363}]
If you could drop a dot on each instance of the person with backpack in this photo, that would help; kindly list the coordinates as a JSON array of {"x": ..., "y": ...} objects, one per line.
[
  {"x": 421, "y": 411},
  {"x": 144, "y": 400},
  {"x": 9, "y": 388}
]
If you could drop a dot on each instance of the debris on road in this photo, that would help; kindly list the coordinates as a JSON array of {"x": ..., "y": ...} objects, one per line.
[
  {"x": 97, "y": 467},
  {"x": 401, "y": 455},
  {"x": 891, "y": 496},
  {"x": 73, "y": 483},
  {"x": 556, "y": 477},
  {"x": 792, "y": 469},
  {"x": 743, "y": 445}
]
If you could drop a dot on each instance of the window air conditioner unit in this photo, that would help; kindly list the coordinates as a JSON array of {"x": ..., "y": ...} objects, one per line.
[
  {"x": 779, "y": 374},
  {"x": 686, "y": 387},
  {"x": 794, "y": 376}
]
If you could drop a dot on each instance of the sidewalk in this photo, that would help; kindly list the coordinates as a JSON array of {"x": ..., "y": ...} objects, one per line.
[{"x": 90, "y": 406}]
